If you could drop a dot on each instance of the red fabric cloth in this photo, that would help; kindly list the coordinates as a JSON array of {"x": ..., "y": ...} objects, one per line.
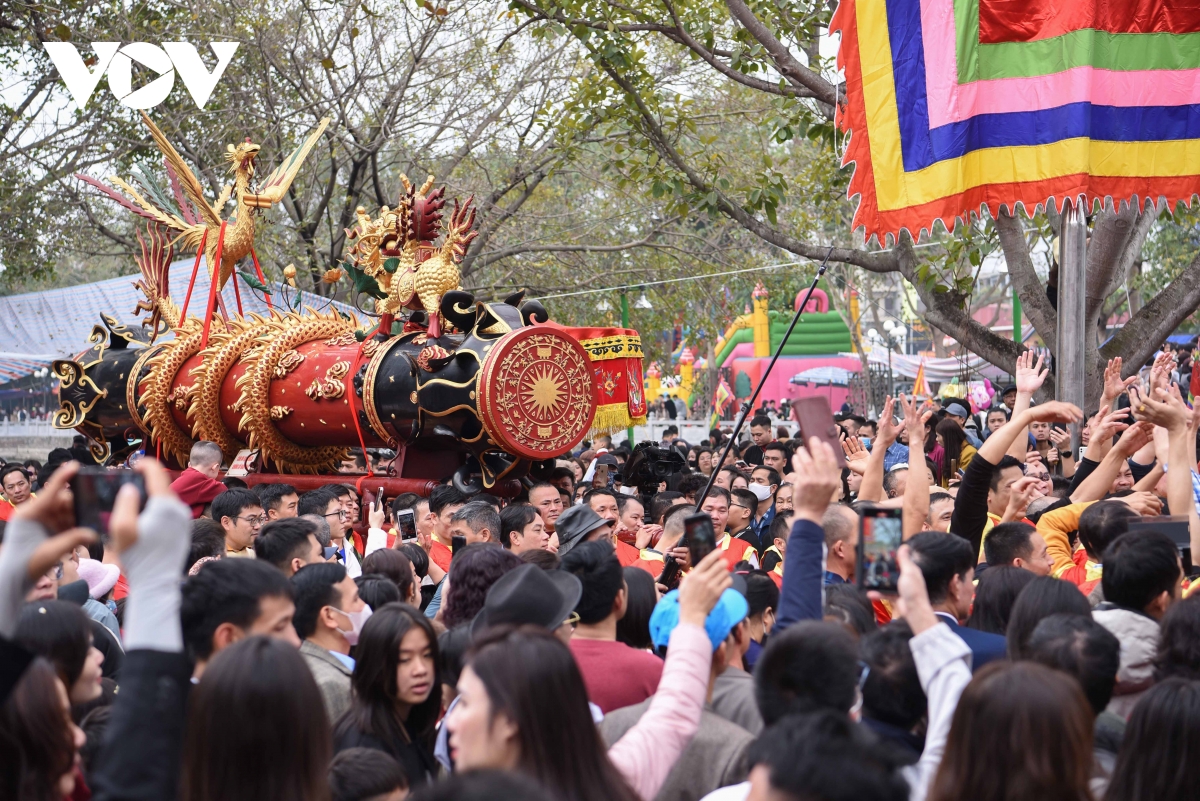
[
  {"x": 6, "y": 510},
  {"x": 616, "y": 675},
  {"x": 1031, "y": 20},
  {"x": 440, "y": 554},
  {"x": 196, "y": 490},
  {"x": 627, "y": 555}
]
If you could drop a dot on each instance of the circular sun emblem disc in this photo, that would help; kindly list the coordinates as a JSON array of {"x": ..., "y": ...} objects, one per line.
[{"x": 536, "y": 397}]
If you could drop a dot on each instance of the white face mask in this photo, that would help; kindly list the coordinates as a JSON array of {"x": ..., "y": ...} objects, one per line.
[
  {"x": 760, "y": 492},
  {"x": 357, "y": 621}
]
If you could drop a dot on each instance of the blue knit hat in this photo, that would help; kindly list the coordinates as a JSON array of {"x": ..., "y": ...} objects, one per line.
[{"x": 730, "y": 610}]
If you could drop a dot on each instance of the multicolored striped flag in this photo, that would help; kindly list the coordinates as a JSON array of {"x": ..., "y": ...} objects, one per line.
[
  {"x": 721, "y": 399},
  {"x": 957, "y": 104}
]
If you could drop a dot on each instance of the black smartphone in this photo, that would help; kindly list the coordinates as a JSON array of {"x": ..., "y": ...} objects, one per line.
[
  {"x": 880, "y": 535},
  {"x": 95, "y": 490},
  {"x": 701, "y": 539},
  {"x": 457, "y": 543},
  {"x": 406, "y": 525},
  {"x": 816, "y": 420},
  {"x": 669, "y": 577}
]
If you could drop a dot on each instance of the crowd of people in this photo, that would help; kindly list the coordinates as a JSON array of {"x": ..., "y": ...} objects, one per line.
[{"x": 228, "y": 642}]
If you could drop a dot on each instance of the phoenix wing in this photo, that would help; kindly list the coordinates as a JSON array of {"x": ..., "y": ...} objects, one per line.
[
  {"x": 191, "y": 186},
  {"x": 281, "y": 178}
]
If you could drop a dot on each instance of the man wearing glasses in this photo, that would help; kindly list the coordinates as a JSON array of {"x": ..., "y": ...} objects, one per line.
[
  {"x": 325, "y": 503},
  {"x": 240, "y": 514}
]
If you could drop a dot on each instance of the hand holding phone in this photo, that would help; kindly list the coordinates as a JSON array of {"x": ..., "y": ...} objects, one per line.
[
  {"x": 816, "y": 420},
  {"x": 406, "y": 525},
  {"x": 95, "y": 490},
  {"x": 701, "y": 539},
  {"x": 880, "y": 535}
]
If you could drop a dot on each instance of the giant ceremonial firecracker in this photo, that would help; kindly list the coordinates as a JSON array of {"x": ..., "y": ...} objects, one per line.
[
  {"x": 455, "y": 385},
  {"x": 953, "y": 105}
]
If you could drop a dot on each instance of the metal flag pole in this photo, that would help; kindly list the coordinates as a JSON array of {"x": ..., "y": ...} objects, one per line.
[
  {"x": 1070, "y": 364},
  {"x": 749, "y": 404}
]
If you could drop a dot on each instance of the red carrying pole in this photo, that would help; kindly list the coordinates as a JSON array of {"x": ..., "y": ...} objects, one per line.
[
  {"x": 195, "y": 269},
  {"x": 261, "y": 277},
  {"x": 212, "y": 292},
  {"x": 237, "y": 293}
]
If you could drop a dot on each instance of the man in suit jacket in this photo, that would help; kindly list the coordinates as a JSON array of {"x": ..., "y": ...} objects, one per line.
[
  {"x": 947, "y": 562},
  {"x": 329, "y": 616},
  {"x": 718, "y": 756}
]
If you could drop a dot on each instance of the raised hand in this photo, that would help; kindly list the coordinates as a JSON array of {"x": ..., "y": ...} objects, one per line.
[
  {"x": 1023, "y": 491},
  {"x": 1033, "y": 457},
  {"x": 916, "y": 415},
  {"x": 1030, "y": 375},
  {"x": 913, "y": 602},
  {"x": 1114, "y": 385},
  {"x": 1055, "y": 412},
  {"x": 53, "y": 508},
  {"x": 1107, "y": 424},
  {"x": 1160, "y": 407},
  {"x": 886, "y": 430},
  {"x": 376, "y": 514},
  {"x": 1146, "y": 504},
  {"x": 1136, "y": 437},
  {"x": 1160, "y": 371},
  {"x": 1061, "y": 440},
  {"x": 123, "y": 524},
  {"x": 856, "y": 454}
]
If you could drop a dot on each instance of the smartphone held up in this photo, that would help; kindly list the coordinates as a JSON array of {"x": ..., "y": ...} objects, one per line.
[
  {"x": 880, "y": 535},
  {"x": 95, "y": 491}
]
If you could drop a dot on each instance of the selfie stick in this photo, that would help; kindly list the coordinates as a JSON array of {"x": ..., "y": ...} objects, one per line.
[{"x": 749, "y": 404}]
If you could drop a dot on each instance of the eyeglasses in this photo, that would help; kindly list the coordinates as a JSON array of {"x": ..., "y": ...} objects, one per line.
[
  {"x": 739, "y": 506},
  {"x": 572, "y": 620},
  {"x": 341, "y": 514},
  {"x": 254, "y": 520}
]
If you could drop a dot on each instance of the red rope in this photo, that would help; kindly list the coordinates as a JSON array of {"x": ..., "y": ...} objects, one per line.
[
  {"x": 261, "y": 277},
  {"x": 212, "y": 292},
  {"x": 195, "y": 269},
  {"x": 237, "y": 293}
]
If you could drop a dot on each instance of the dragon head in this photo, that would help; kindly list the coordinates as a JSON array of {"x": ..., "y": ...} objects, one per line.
[{"x": 241, "y": 157}]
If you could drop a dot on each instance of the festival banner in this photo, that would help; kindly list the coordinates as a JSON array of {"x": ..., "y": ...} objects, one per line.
[{"x": 955, "y": 105}]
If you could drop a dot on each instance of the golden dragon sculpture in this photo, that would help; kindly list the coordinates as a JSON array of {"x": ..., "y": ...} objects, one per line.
[{"x": 397, "y": 250}]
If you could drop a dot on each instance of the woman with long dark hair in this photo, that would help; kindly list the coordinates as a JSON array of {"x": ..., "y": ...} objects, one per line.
[
  {"x": 1020, "y": 730},
  {"x": 957, "y": 453},
  {"x": 522, "y": 706},
  {"x": 1160, "y": 754},
  {"x": 633, "y": 628},
  {"x": 39, "y": 742},
  {"x": 60, "y": 632},
  {"x": 256, "y": 697},
  {"x": 397, "y": 692}
]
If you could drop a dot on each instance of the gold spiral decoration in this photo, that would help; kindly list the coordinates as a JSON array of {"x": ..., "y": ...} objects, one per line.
[
  {"x": 223, "y": 352},
  {"x": 131, "y": 386},
  {"x": 159, "y": 393},
  {"x": 368, "y": 390},
  {"x": 293, "y": 330}
]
